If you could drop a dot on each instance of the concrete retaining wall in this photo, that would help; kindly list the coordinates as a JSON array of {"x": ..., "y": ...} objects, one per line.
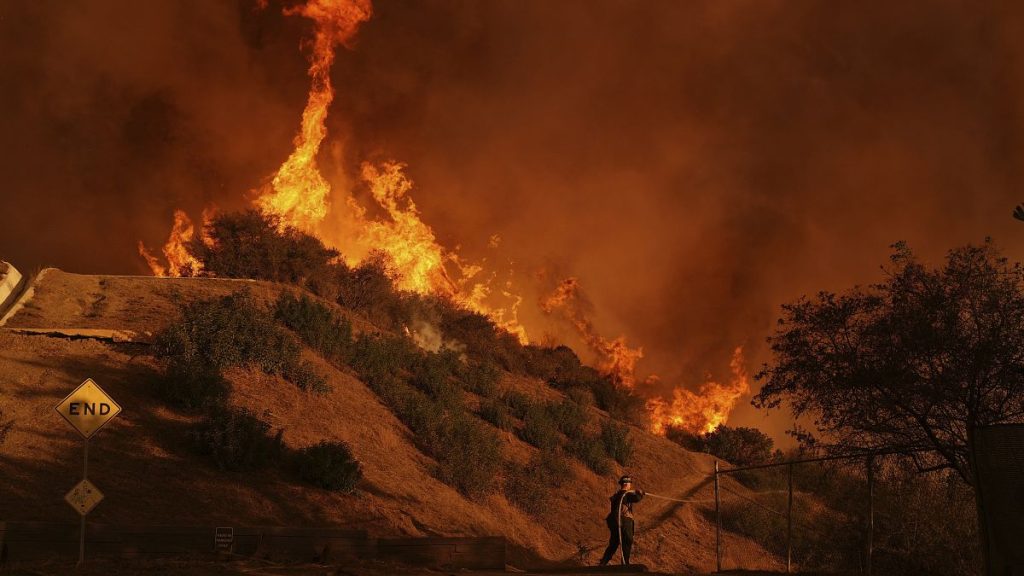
[
  {"x": 47, "y": 541},
  {"x": 10, "y": 285}
]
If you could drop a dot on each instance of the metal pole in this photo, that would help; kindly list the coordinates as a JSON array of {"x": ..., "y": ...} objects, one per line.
[
  {"x": 718, "y": 524},
  {"x": 85, "y": 476},
  {"x": 871, "y": 512},
  {"x": 789, "y": 524}
]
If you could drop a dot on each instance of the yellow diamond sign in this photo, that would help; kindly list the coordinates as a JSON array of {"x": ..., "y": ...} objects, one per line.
[
  {"x": 88, "y": 408},
  {"x": 84, "y": 497}
]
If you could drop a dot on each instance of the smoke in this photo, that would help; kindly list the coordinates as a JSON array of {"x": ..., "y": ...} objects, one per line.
[{"x": 694, "y": 165}]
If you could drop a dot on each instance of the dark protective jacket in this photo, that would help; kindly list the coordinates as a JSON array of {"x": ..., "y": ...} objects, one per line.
[{"x": 628, "y": 499}]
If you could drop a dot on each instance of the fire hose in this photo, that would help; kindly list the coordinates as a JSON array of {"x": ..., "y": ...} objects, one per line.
[{"x": 622, "y": 547}]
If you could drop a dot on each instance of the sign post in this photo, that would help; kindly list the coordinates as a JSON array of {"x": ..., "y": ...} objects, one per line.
[{"x": 88, "y": 408}]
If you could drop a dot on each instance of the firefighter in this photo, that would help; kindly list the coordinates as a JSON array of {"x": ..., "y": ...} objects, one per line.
[{"x": 620, "y": 520}]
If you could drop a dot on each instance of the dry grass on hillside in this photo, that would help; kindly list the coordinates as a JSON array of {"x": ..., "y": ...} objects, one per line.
[{"x": 144, "y": 464}]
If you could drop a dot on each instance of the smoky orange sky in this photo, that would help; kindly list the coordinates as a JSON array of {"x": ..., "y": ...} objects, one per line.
[{"x": 694, "y": 164}]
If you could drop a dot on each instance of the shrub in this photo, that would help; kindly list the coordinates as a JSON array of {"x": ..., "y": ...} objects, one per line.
[
  {"x": 5, "y": 427},
  {"x": 434, "y": 373},
  {"x": 381, "y": 357},
  {"x": 539, "y": 428},
  {"x": 255, "y": 245},
  {"x": 329, "y": 465},
  {"x": 217, "y": 334},
  {"x": 236, "y": 439},
  {"x": 480, "y": 379},
  {"x": 517, "y": 402},
  {"x": 468, "y": 454},
  {"x": 304, "y": 375},
  {"x": 569, "y": 416},
  {"x": 590, "y": 451},
  {"x": 322, "y": 330},
  {"x": 369, "y": 289},
  {"x": 685, "y": 438},
  {"x": 617, "y": 443},
  {"x": 740, "y": 446},
  {"x": 190, "y": 383},
  {"x": 483, "y": 340},
  {"x": 530, "y": 487},
  {"x": 620, "y": 402},
  {"x": 558, "y": 366},
  {"x": 580, "y": 395},
  {"x": 497, "y": 414}
]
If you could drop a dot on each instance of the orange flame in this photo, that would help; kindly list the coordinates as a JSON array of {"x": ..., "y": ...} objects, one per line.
[
  {"x": 615, "y": 357},
  {"x": 703, "y": 411},
  {"x": 299, "y": 193},
  {"x": 300, "y": 196},
  {"x": 180, "y": 262}
]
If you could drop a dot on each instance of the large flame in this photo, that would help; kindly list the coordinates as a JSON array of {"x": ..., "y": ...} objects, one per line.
[
  {"x": 301, "y": 197},
  {"x": 299, "y": 194},
  {"x": 705, "y": 410}
]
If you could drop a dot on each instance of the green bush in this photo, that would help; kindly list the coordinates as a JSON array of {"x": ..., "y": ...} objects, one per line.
[
  {"x": 381, "y": 357},
  {"x": 254, "y": 245},
  {"x": 739, "y": 446},
  {"x": 517, "y": 402},
  {"x": 617, "y": 443},
  {"x": 590, "y": 451},
  {"x": 497, "y": 414},
  {"x": 480, "y": 379},
  {"x": 468, "y": 454},
  {"x": 619, "y": 401},
  {"x": 539, "y": 428},
  {"x": 369, "y": 289},
  {"x": 321, "y": 329},
  {"x": 580, "y": 395},
  {"x": 191, "y": 384},
  {"x": 236, "y": 439},
  {"x": 304, "y": 375},
  {"x": 434, "y": 373},
  {"x": 329, "y": 465},
  {"x": 531, "y": 488},
  {"x": 569, "y": 416},
  {"x": 484, "y": 341},
  {"x": 221, "y": 333},
  {"x": 5, "y": 427}
]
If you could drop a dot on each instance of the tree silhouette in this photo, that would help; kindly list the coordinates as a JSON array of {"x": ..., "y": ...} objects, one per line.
[{"x": 915, "y": 362}]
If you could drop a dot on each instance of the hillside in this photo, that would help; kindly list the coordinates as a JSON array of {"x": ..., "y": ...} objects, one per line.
[{"x": 144, "y": 464}]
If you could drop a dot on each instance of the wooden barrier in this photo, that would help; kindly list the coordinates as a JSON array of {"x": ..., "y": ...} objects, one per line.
[{"x": 48, "y": 541}]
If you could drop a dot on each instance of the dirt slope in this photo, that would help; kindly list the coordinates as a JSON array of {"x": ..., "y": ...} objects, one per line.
[{"x": 143, "y": 464}]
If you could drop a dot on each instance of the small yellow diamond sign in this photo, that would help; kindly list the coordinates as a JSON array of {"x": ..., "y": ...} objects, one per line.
[
  {"x": 88, "y": 408},
  {"x": 84, "y": 497}
]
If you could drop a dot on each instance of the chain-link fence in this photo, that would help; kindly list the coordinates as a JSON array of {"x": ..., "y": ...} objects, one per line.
[{"x": 864, "y": 514}]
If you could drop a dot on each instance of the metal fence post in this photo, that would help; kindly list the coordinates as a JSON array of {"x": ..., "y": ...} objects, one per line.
[
  {"x": 718, "y": 524},
  {"x": 871, "y": 513},
  {"x": 789, "y": 524}
]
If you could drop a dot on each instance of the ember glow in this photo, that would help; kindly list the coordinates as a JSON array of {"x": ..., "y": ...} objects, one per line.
[{"x": 302, "y": 198}]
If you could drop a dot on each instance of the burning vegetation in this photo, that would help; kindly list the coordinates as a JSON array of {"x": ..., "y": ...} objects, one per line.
[{"x": 400, "y": 247}]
